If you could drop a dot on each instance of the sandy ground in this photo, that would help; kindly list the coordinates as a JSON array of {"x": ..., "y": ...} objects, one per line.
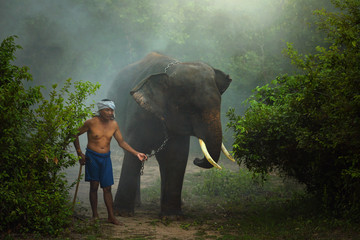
[{"x": 146, "y": 223}]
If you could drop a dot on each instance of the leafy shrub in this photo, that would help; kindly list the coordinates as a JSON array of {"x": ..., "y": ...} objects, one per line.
[
  {"x": 226, "y": 184},
  {"x": 35, "y": 134},
  {"x": 243, "y": 186},
  {"x": 307, "y": 125}
]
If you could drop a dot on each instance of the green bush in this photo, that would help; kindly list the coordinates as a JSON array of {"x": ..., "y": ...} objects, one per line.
[
  {"x": 307, "y": 125},
  {"x": 227, "y": 185},
  {"x": 243, "y": 186},
  {"x": 35, "y": 135}
]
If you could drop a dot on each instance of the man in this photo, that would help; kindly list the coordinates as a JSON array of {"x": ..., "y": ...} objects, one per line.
[{"x": 98, "y": 168}]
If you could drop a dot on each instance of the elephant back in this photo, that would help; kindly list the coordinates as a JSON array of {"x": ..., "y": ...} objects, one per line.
[{"x": 128, "y": 78}]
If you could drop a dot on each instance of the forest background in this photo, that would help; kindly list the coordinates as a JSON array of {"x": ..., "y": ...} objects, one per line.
[{"x": 93, "y": 40}]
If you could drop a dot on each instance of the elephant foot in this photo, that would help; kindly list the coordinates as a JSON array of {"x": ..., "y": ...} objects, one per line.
[
  {"x": 124, "y": 213},
  {"x": 172, "y": 217},
  {"x": 203, "y": 163}
]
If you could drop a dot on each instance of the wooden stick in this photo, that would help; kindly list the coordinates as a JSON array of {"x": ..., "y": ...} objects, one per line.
[{"x": 77, "y": 187}]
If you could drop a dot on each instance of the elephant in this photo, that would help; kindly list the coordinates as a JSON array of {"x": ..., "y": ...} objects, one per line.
[{"x": 161, "y": 102}]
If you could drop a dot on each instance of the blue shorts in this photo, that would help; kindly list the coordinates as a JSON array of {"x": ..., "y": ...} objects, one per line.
[{"x": 98, "y": 168}]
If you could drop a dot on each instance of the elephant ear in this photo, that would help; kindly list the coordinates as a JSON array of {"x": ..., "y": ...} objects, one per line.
[
  {"x": 222, "y": 80},
  {"x": 150, "y": 93}
]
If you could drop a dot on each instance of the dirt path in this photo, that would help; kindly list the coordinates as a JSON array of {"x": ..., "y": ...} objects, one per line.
[{"x": 146, "y": 223}]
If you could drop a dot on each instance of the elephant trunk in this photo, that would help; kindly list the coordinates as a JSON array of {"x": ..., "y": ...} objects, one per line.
[{"x": 210, "y": 135}]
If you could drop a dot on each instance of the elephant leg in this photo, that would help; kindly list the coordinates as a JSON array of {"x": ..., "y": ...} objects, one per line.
[
  {"x": 124, "y": 202},
  {"x": 172, "y": 161}
]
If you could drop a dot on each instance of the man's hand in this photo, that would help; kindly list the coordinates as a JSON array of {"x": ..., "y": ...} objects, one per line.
[
  {"x": 82, "y": 159},
  {"x": 141, "y": 156}
]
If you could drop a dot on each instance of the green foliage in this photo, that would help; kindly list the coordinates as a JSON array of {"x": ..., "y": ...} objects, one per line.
[
  {"x": 243, "y": 186},
  {"x": 243, "y": 38},
  {"x": 227, "y": 185},
  {"x": 35, "y": 134},
  {"x": 307, "y": 125}
]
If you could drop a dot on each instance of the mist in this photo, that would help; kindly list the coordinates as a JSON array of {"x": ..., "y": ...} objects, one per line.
[{"x": 92, "y": 40}]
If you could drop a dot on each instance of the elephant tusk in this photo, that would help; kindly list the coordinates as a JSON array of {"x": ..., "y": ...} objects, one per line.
[
  {"x": 207, "y": 155},
  {"x": 227, "y": 154}
]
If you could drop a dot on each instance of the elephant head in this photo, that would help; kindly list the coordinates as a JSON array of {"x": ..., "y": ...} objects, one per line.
[{"x": 187, "y": 98}]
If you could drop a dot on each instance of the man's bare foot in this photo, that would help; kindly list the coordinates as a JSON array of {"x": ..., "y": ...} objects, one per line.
[{"x": 115, "y": 221}]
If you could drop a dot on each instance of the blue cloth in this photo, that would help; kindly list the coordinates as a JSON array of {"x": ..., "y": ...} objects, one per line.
[{"x": 98, "y": 168}]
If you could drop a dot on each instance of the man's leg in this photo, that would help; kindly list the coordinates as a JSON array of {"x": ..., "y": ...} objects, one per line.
[
  {"x": 94, "y": 186},
  {"x": 108, "y": 199}
]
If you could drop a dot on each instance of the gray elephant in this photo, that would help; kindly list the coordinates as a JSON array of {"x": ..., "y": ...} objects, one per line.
[{"x": 169, "y": 101}]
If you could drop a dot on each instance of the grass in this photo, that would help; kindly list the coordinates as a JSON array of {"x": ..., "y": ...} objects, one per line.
[
  {"x": 232, "y": 205},
  {"x": 80, "y": 229},
  {"x": 237, "y": 207}
]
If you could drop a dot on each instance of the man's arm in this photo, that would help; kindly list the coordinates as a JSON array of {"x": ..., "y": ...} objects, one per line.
[
  {"x": 119, "y": 138},
  {"x": 81, "y": 130}
]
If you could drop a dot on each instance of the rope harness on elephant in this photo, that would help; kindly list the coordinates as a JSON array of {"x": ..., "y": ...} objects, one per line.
[
  {"x": 162, "y": 146},
  {"x": 171, "y": 64}
]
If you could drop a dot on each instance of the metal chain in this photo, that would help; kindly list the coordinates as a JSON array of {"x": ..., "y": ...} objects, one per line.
[
  {"x": 162, "y": 146},
  {"x": 142, "y": 168}
]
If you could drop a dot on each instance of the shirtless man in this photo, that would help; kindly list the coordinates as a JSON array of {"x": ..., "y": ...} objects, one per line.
[{"x": 98, "y": 168}]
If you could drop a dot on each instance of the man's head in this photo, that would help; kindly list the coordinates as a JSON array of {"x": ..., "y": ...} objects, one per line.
[{"x": 106, "y": 109}]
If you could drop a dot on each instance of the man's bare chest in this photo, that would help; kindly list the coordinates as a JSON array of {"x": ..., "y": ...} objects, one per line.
[{"x": 100, "y": 132}]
